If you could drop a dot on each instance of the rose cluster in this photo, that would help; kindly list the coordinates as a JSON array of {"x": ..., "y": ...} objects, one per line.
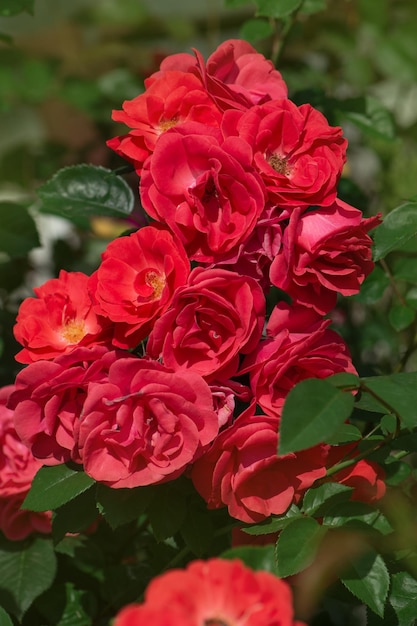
[{"x": 154, "y": 366}]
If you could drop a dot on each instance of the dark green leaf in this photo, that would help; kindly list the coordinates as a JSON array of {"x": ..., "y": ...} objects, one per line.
[
  {"x": 344, "y": 380},
  {"x": 318, "y": 499},
  {"x": 403, "y": 598},
  {"x": 401, "y": 317},
  {"x": 27, "y": 569},
  {"x": 13, "y": 7},
  {"x": 345, "y": 434},
  {"x": 75, "y": 516},
  {"x": 398, "y": 391},
  {"x": 120, "y": 506},
  {"x": 356, "y": 514},
  {"x": 54, "y": 486},
  {"x": 388, "y": 424},
  {"x": 167, "y": 511},
  {"x": 411, "y": 297},
  {"x": 406, "y": 441},
  {"x": 256, "y": 557},
  {"x": 197, "y": 531},
  {"x": 313, "y": 411},
  {"x": 18, "y": 234},
  {"x": 370, "y": 116},
  {"x": 297, "y": 545},
  {"x": 236, "y": 3},
  {"x": 277, "y": 8},
  {"x": 313, "y": 6},
  {"x": 86, "y": 190},
  {"x": 275, "y": 523},
  {"x": 373, "y": 287},
  {"x": 368, "y": 580},
  {"x": 398, "y": 227},
  {"x": 396, "y": 472},
  {"x": 255, "y": 29},
  {"x": 405, "y": 268},
  {"x": 4, "y": 618}
]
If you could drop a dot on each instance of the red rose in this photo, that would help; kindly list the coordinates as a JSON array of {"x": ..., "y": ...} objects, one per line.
[
  {"x": 299, "y": 156},
  {"x": 136, "y": 280},
  {"x": 215, "y": 592},
  {"x": 365, "y": 477},
  {"x": 242, "y": 470},
  {"x": 300, "y": 346},
  {"x": 324, "y": 252},
  {"x": 59, "y": 319},
  {"x": 172, "y": 99},
  {"x": 213, "y": 319},
  {"x": 17, "y": 469},
  {"x": 144, "y": 424},
  {"x": 48, "y": 401},
  {"x": 206, "y": 191}
]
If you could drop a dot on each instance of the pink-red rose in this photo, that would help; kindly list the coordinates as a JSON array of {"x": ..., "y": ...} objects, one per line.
[
  {"x": 324, "y": 252},
  {"x": 298, "y": 154},
  {"x": 205, "y": 190},
  {"x": 145, "y": 424},
  {"x": 59, "y": 319},
  {"x": 136, "y": 280},
  {"x": 213, "y": 593},
  {"x": 215, "y": 318},
  {"x": 242, "y": 470},
  {"x": 17, "y": 470}
]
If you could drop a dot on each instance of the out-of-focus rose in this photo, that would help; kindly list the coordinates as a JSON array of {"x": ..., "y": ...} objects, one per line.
[
  {"x": 17, "y": 469},
  {"x": 213, "y": 593},
  {"x": 300, "y": 345},
  {"x": 204, "y": 189},
  {"x": 213, "y": 319},
  {"x": 367, "y": 478},
  {"x": 59, "y": 319},
  {"x": 324, "y": 252},
  {"x": 145, "y": 424},
  {"x": 299, "y": 156},
  {"x": 242, "y": 470},
  {"x": 136, "y": 280},
  {"x": 176, "y": 97},
  {"x": 48, "y": 402}
]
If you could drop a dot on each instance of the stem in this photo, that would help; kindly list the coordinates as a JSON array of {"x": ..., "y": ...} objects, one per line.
[
  {"x": 393, "y": 284},
  {"x": 280, "y": 39},
  {"x": 385, "y": 404}
]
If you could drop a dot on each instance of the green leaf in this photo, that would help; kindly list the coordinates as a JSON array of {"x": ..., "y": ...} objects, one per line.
[
  {"x": 399, "y": 391},
  {"x": 313, "y": 6},
  {"x": 5, "y": 618},
  {"x": 27, "y": 569},
  {"x": 255, "y": 29},
  {"x": 13, "y": 7},
  {"x": 167, "y": 511},
  {"x": 357, "y": 514},
  {"x": 345, "y": 434},
  {"x": 317, "y": 500},
  {"x": 398, "y": 227},
  {"x": 75, "y": 516},
  {"x": 86, "y": 190},
  {"x": 54, "y": 486},
  {"x": 297, "y": 545},
  {"x": 313, "y": 411},
  {"x": 403, "y": 598},
  {"x": 400, "y": 317},
  {"x": 235, "y": 3},
  {"x": 373, "y": 287},
  {"x": 18, "y": 234},
  {"x": 275, "y": 523},
  {"x": 120, "y": 506},
  {"x": 396, "y": 472},
  {"x": 256, "y": 557},
  {"x": 405, "y": 268},
  {"x": 411, "y": 297},
  {"x": 277, "y": 8},
  {"x": 197, "y": 531},
  {"x": 368, "y": 580},
  {"x": 344, "y": 380},
  {"x": 370, "y": 116}
]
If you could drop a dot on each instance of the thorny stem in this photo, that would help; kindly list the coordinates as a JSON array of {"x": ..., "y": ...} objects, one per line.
[{"x": 280, "y": 38}]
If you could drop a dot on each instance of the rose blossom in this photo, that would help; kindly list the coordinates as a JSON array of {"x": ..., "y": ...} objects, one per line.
[
  {"x": 59, "y": 319},
  {"x": 365, "y": 477},
  {"x": 324, "y": 252},
  {"x": 213, "y": 319},
  {"x": 17, "y": 469},
  {"x": 236, "y": 75},
  {"x": 215, "y": 592},
  {"x": 204, "y": 189},
  {"x": 48, "y": 401},
  {"x": 299, "y": 156},
  {"x": 299, "y": 346},
  {"x": 136, "y": 280},
  {"x": 144, "y": 424},
  {"x": 174, "y": 98},
  {"x": 242, "y": 470}
]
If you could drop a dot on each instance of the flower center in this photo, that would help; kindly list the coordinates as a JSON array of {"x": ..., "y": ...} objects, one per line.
[
  {"x": 279, "y": 164},
  {"x": 214, "y": 621},
  {"x": 156, "y": 282},
  {"x": 167, "y": 124},
  {"x": 73, "y": 331}
]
